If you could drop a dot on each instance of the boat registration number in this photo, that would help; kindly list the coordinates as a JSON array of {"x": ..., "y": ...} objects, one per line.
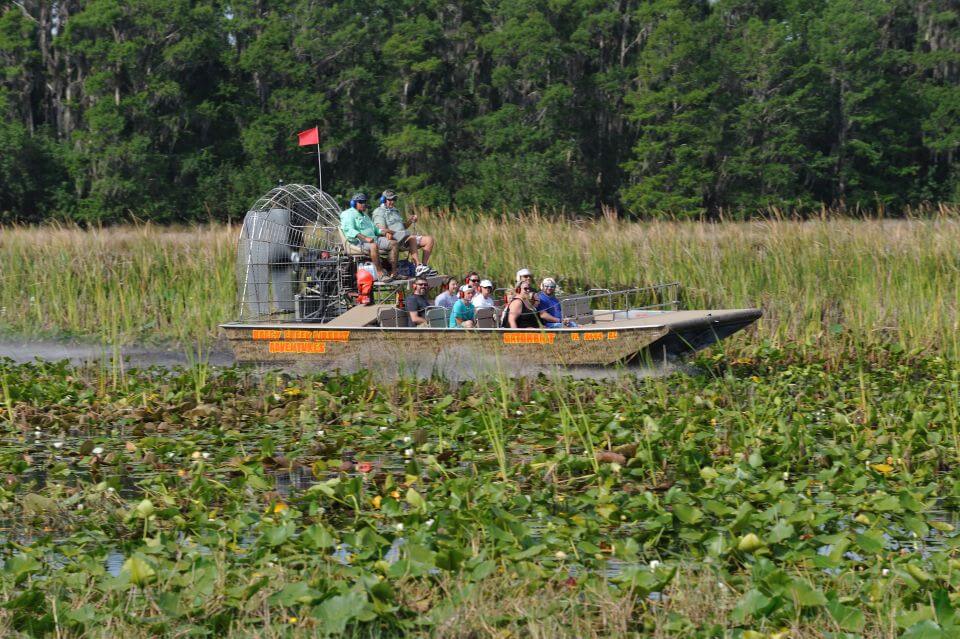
[{"x": 550, "y": 338}]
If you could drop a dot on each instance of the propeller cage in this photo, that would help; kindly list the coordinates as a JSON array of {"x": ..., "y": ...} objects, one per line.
[{"x": 290, "y": 262}]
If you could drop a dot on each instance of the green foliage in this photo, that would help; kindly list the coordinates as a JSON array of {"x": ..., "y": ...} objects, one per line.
[
  {"x": 175, "y": 111},
  {"x": 324, "y": 504}
]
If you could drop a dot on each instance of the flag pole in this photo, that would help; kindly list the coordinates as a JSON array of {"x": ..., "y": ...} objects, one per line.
[{"x": 319, "y": 170}]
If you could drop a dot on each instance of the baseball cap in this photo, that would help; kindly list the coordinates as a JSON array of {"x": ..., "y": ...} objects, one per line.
[
  {"x": 465, "y": 288},
  {"x": 522, "y": 272},
  {"x": 486, "y": 283},
  {"x": 389, "y": 195},
  {"x": 548, "y": 282}
]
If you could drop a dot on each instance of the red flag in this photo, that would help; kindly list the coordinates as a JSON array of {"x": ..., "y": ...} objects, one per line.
[{"x": 310, "y": 136}]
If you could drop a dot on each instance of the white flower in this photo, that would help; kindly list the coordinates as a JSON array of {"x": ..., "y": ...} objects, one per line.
[
  {"x": 206, "y": 455},
  {"x": 382, "y": 428},
  {"x": 321, "y": 433},
  {"x": 429, "y": 523},
  {"x": 560, "y": 555},
  {"x": 58, "y": 444},
  {"x": 654, "y": 564},
  {"x": 519, "y": 412},
  {"x": 110, "y": 489},
  {"x": 407, "y": 439},
  {"x": 885, "y": 572},
  {"x": 473, "y": 432},
  {"x": 170, "y": 455},
  {"x": 98, "y": 450},
  {"x": 37, "y": 433},
  {"x": 408, "y": 452},
  {"x": 79, "y": 506},
  {"x": 786, "y": 475},
  {"x": 399, "y": 527}
]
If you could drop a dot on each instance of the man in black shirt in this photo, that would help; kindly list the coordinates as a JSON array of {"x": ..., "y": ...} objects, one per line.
[{"x": 416, "y": 303}]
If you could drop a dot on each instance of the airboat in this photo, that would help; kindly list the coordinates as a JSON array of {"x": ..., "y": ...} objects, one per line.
[{"x": 299, "y": 300}]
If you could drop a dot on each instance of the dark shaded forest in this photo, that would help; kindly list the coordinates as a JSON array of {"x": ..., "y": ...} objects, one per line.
[{"x": 176, "y": 110}]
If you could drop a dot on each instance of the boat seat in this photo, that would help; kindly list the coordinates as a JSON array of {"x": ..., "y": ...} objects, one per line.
[
  {"x": 485, "y": 317},
  {"x": 393, "y": 318},
  {"x": 577, "y": 307},
  {"x": 584, "y": 311},
  {"x": 353, "y": 250},
  {"x": 437, "y": 316}
]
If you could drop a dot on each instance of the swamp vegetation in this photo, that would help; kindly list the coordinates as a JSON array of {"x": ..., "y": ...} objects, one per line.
[
  {"x": 761, "y": 496},
  {"x": 799, "y": 480}
]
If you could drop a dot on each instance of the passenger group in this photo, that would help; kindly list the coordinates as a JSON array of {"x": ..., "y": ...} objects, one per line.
[{"x": 388, "y": 232}]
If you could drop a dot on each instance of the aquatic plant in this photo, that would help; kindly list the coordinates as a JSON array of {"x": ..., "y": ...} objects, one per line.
[{"x": 749, "y": 496}]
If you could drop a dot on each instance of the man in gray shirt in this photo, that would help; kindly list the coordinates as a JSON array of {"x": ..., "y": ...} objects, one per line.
[
  {"x": 389, "y": 220},
  {"x": 416, "y": 304}
]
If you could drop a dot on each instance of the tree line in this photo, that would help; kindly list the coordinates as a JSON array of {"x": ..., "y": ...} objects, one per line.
[{"x": 176, "y": 110}]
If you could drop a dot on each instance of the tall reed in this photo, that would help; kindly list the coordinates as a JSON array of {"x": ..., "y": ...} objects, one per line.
[{"x": 827, "y": 283}]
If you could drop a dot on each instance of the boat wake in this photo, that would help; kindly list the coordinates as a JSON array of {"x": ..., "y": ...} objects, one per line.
[{"x": 454, "y": 364}]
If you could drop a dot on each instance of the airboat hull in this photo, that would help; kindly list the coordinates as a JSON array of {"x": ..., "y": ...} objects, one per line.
[{"x": 616, "y": 337}]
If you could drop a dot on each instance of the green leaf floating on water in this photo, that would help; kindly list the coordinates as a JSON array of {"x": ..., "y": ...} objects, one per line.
[
  {"x": 806, "y": 595},
  {"x": 926, "y": 629},
  {"x": 870, "y": 542},
  {"x": 687, "y": 514},
  {"x": 293, "y": 594},
  {"x": 137, "y": 570},
  {"x": 335, "y": 613},
  {"x": 20, "y": 566},
  {"x": 780, "y": 532},
  {"x": 415, "y": 500},
  {"x": 34, "y": 504},
  {"x": 848, "y": 618},
  {"x": 753, "y": 603}
]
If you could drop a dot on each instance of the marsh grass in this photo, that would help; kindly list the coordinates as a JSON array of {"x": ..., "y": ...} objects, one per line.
[
  {"x": 116, "y": 285},
  {"x": 832, "y": 284}
]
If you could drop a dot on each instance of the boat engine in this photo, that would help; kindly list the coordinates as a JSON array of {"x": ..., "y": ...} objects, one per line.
[{"x": 290, "y": 259}]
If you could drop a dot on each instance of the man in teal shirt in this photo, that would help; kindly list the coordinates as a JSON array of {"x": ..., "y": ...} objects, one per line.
[{"x": 361, "y": 232}]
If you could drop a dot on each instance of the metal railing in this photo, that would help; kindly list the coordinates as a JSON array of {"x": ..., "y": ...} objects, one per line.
[{"x": 600, "y": 302}]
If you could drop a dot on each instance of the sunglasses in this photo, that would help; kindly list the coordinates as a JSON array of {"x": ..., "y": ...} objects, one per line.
[
  {"x": 420, "y": 284},
  {"x": 474, "y": 279},
  {"x": 487, "y": 287}
]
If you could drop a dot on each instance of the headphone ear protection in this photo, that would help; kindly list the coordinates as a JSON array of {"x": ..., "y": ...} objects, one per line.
[
  {"x": 383, "y": 200},
  {"x": 353, "y": 204}
]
